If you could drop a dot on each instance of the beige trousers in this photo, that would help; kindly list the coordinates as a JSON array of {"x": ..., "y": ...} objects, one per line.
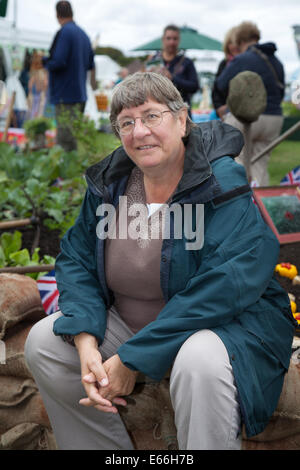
[
  {"x": 202, "y": 389},
  {"x": 262, "y": 132}
]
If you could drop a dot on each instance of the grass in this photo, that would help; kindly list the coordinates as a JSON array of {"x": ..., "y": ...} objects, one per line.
[{"x": 284, "y": 158}]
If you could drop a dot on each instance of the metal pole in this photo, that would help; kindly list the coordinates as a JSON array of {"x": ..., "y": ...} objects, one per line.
[
  {"x": 247, "y": 150},
  {"x": 277, "y": 141},
  {"x": 15, "y": 15}
]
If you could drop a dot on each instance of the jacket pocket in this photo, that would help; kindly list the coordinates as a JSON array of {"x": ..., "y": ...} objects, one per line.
[{"x": 273, "y": 330}]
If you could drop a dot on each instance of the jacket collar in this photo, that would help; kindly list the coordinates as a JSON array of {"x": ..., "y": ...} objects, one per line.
[{"x": 206, "y": 143}]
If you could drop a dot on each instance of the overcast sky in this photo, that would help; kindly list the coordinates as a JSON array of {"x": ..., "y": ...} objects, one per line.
[{"x": 126, "y": 24}]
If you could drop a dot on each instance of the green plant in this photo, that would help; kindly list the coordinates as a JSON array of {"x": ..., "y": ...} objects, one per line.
[
  {"x": 37, "y": 126},
  {"x": 283, "y": 159},
  {"x": 12, "y": 254},
  {"x": 47, "y": 184},
  {"x": 290, "y": 110},
  {"x": 83, "y": 129},
  {"x": 50, "y": 183}
]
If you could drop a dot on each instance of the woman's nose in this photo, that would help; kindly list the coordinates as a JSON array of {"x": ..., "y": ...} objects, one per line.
[{"x": 140, "y": 129}]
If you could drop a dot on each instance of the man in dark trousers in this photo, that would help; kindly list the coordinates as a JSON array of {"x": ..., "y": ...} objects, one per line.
[
  {"x": 173, "y": 64},
  {"x": 71, "y": 56}
]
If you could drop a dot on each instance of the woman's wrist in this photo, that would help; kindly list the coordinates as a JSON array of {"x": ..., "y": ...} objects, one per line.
[{"x": 85, "y": 340}]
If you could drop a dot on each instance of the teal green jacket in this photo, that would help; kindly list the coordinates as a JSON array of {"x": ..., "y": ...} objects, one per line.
[{"x": 226, "y": 286}]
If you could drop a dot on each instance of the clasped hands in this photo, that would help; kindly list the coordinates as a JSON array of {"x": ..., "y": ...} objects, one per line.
[{"x": 105, "y": 382}]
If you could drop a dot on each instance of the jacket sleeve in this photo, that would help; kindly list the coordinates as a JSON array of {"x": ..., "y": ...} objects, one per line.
[
  {"x": 91, "y": 64},
  {"x": 80, "y": 297},
  {"x": 189, "y": 83},
  {"x": 218, "y": 97},
  {"x": 59, "y": 57},
  {"x": 240, "y": 253},
  {"x": 236, "y": 66}
]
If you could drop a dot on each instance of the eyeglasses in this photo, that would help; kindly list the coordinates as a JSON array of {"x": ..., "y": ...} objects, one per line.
[{"x": 125, "y": 126}]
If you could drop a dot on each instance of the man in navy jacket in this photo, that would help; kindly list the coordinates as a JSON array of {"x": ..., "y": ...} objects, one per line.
[
  {"x": 71, "y": 56},
  {"x": 173, "y": 64},
  {"x": 259, "y": 58}
]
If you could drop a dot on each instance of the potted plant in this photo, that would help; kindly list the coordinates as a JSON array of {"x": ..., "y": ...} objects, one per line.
[{"x": 35, "y": 131}]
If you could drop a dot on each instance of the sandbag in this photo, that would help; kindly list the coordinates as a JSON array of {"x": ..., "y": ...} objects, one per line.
[
  {"x": 149, "y": 409},
  {"x": 287, "y": 443},
  {"x": 14, "y": 341},
  {"x": 28, "y": 436},
  {"x": 285, "y": 421},
  {"x": 24, "y": 423},
  {"x": 19, "y": 301},
  {"x": 20, "y": 402},
  {"x": 14, "y": 390},
  {"x": 247, "y": 96}
]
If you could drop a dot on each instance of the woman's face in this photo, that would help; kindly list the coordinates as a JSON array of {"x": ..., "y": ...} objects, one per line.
[{"x": 156, "y": 147}]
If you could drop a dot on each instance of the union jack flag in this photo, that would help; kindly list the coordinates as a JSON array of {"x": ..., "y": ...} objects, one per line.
[
  {"x": 48, "y": 292},
  {"x": 292, "y": 177}
]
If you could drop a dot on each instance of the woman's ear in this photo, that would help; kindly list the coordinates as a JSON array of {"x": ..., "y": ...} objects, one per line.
[{"x": 182, "y": 116}]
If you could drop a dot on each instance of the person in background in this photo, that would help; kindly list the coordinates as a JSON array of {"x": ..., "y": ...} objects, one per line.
[
  {"x": 122, "y": 74},
  {"x": 37, "y": 88},
  {"x": 230, "y": 50},
  {"x": 71, "y": 56},
  {"x": 208, "y": 312},
  {"x": 259, "y": 58},
  {"x": 174, "y": 65},
  {"x": 25, "y": 72}
]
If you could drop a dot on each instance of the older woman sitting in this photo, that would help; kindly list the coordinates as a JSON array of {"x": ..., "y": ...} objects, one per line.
[{"x": 169, "y": 267}]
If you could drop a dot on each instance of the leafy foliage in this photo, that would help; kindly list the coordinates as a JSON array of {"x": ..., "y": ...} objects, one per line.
[
  {"x": 45, "y": 183},
  {"x": 50, "y": 183},
  {"x": 12, "y": 254},
  {"x": 34, "y": 127},
  {"x": 289, "y": 109}
]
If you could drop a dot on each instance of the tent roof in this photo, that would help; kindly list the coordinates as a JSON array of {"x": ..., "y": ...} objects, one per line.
[
  {"x": 106, "y": 68},
  {"x": 189, "y": 39},
  {"x": 23, "y": 37}
]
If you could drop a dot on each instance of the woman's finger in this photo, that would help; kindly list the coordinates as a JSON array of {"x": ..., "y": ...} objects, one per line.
[
  {"x": 93, "y": 402},
  {"x": 89, "y": 378},
  {"x": 97, "y": 374},
  {"x": 105, "y": 408},
  {"x": 119, "y": 401},
  {"x": 95, "y": 397}
]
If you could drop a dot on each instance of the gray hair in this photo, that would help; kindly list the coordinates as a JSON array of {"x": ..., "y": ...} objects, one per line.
[{"x": 136, "y": 89}]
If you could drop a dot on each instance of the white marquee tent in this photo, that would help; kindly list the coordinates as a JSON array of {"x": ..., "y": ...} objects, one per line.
[
  {"x": 106, "y": 69},
  {"x": 12, "y": 38},
  {"x": 23, "y": 37}
]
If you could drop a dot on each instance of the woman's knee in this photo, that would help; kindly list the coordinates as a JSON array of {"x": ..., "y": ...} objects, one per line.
[{"x": 203, "y": 356}]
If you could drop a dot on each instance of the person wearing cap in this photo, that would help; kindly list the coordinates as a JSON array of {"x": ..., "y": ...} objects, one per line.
[{"x": 259, "y": 58}]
